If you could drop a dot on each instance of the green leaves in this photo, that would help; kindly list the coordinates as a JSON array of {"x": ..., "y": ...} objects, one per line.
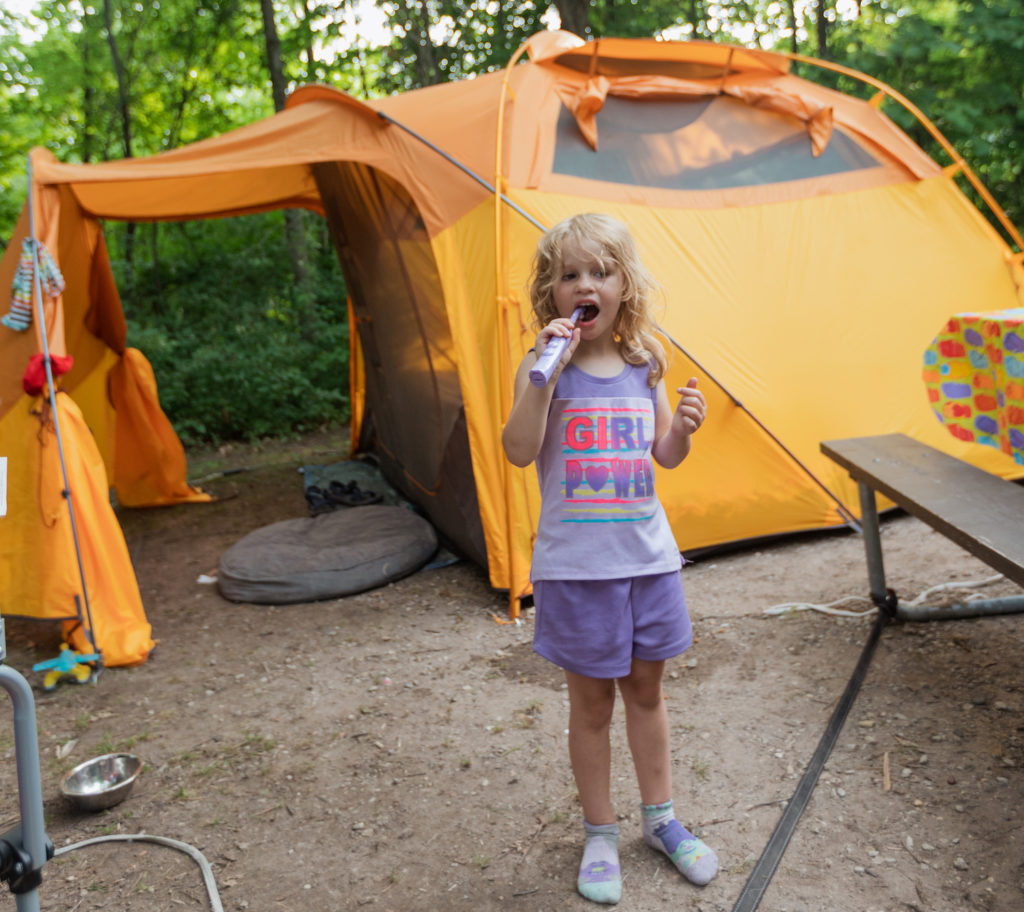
[
  {"x": 442, "y": 41},
  {"x": 236, "y": 355},
  {"x": 961, "y": 62}
]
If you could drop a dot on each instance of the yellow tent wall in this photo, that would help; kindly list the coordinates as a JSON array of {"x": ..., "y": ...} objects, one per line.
[{"x": 807, "y": 298}]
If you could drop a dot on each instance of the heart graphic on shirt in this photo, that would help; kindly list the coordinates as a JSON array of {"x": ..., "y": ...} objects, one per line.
[{"x": 597, "y": 476}]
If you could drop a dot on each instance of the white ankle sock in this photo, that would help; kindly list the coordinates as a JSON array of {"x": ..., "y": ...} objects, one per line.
[{"x": 600, "y": 879}]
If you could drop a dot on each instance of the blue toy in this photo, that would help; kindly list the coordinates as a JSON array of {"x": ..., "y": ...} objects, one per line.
[{"x": 69, "y": 663}]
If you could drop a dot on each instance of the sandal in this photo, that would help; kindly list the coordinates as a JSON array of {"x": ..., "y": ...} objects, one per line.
[
  {"x": 336, "y": 491},
  {"x": 317, "y": 500},
  {"x": 357, "y": 498}
]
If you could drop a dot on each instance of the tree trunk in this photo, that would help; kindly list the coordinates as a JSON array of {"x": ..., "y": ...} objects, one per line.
[
  {"x": 794, "y": 45},
  {"x": 822, "y": 24},
  {"x": 293, "y": 226},
  {"x": 85, "y": 42},
  {"x": 696, "y": 15},
  {"x": 426, "y": 61},
  {"x": 273, "y": 45},
  {"x": 308, "y": 32},
  {"x": 122, "y": 90},
  {"x": 126, "y": 141},
  {"x": 156, "y": 294},
  {"x": 574, "y": 16}
]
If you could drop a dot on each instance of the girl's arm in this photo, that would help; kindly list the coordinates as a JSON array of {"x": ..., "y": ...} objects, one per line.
[
  {"x": 523, "y": 433},
  {"x": 673, "y": 429}
]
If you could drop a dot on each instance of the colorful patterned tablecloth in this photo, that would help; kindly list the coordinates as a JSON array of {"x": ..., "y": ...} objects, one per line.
[{"x": 974, "y": 372}]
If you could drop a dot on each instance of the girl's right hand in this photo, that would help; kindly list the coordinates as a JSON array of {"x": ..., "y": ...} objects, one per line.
[
  {"x": 523, "y": 434},
  {"x": 563, "y": 328}
]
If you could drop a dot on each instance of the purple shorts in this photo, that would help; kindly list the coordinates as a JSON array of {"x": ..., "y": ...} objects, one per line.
[{"x": 597, "y": 627}]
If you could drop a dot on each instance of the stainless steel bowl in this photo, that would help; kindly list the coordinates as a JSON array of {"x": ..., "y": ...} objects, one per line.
[{"x": 101, "y": 782}]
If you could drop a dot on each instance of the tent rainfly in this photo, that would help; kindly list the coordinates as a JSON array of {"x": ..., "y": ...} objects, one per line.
[{"x": 808, "y": 249}]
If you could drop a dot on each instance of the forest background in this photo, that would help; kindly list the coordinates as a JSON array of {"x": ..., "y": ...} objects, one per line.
[{"x": 244, "y": 319}]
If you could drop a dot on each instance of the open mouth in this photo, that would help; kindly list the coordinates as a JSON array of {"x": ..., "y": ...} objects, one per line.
[{"x": 590, "y": 312}]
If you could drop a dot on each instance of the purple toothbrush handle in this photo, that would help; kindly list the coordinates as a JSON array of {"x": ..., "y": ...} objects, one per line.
[{"x": 540, "y": 373}]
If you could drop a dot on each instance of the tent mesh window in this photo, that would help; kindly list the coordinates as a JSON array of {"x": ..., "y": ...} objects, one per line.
[{"x": 704, "y": 144}]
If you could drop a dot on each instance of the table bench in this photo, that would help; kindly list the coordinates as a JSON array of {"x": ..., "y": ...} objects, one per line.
[{"x": 980, "y": 512}]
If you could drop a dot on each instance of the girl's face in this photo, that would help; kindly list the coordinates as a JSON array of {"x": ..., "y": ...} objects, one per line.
[{"x": 587, "y": 277}]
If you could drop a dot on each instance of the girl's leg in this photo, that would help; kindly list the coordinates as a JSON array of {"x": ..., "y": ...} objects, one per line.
[
  {"x": 647, "y": 730},
  {"x": 648, "y": 733},
  {"x": 591, "y": 702}
]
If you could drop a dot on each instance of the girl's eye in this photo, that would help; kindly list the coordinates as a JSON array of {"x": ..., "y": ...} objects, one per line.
[
  {"x": 568, "y": 277},
  {"x": 599, "y": 273}
]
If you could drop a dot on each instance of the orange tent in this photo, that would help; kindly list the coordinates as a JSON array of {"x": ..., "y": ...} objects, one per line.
[{"x": 809, "y": 252}]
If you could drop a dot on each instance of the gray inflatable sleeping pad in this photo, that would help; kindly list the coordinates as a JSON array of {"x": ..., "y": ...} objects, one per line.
[{"x": 339, "y": 553}]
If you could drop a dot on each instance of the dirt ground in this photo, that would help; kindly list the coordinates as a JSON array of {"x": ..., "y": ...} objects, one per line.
[{"x": 402, "y": 750}]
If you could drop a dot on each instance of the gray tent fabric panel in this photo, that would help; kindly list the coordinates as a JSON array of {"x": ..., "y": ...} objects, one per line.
[{"x": 338, "y": 553}]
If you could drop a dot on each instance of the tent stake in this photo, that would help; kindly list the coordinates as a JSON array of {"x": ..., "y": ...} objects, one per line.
[{"x": 41, "y": 325}]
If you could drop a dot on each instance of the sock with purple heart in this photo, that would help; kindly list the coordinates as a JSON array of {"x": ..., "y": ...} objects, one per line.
[
  {"x": 600, "y": 879},
  {"x": 690, "y": 855}
]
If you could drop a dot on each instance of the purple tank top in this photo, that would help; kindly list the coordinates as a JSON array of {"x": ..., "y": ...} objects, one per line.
[{"x": 600, "y": 517}]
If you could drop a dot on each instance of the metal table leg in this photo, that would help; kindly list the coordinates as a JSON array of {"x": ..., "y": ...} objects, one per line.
[{"x": 873, "y": 548}]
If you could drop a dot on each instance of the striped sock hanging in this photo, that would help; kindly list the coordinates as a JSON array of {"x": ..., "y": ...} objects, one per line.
[{"x": 19, "y": 317}]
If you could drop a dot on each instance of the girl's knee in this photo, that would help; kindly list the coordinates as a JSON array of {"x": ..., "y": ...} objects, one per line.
[
  {"x": 645, "y": 699},
  {"x": 643, "y": 693},
  {"x": 594, "y": 715},
  {"x": 591, "y": 703}
]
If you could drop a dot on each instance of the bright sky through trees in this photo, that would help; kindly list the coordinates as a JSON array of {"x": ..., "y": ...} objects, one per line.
[
  {"x": 366, "y": 21},
  {"x": 367, "y": 24}
]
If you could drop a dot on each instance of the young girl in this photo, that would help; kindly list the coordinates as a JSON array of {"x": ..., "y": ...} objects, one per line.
[{"x": 606, "y": 584}]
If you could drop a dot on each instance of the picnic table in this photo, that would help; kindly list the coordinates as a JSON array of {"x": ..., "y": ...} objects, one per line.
[{"x": 982, "y": 513}]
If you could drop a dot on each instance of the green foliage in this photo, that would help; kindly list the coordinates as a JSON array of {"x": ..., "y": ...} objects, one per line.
[
  {"x": 962, "y": 63},
  {"x": 237, "y": 355},
  {"x": 31, "y": 114},
  {"x": 190, "y": 70},
  {"x": 442, "y": 41},
  {"x": 632, "y": 19}
]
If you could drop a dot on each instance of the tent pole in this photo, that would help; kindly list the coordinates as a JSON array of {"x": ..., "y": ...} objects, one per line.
[
  {"x": 517, "y": 568},
  {"x": 843, "y": 511},
  {"x": 52, "y": 392},
  {"x": 933, "y": 130},
  {"x": 463, "y": 168}
]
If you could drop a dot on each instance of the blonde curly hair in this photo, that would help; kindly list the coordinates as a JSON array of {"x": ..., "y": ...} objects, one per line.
[{"x": 635, "y": 327}]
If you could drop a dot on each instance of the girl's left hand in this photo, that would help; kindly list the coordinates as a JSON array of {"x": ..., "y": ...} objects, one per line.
[{"x": 691, "y": 410}]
